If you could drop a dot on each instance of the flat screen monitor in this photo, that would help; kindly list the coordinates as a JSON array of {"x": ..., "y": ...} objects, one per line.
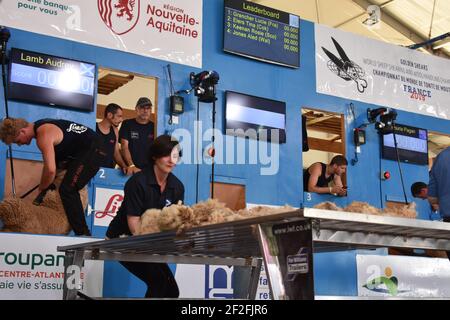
[
  {"x": 255, "y": 117},
  {"x": 50, "y": 80},
  {"x": 412, "y": 144},
  {"x": 262, "y": 33}
]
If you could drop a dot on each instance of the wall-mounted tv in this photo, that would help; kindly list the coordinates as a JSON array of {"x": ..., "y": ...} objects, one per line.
[
  {"x": 50, "y": 80},
  {"x": 255, "y": 117},
  {"x": 412, "y": 145},
  {"x": 262, "y": 33}
]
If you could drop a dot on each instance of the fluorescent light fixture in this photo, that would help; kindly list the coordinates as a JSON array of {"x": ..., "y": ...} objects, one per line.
[{"x": 441, "y": 44}]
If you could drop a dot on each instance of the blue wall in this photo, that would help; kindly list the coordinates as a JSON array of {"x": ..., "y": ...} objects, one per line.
[{"x": 294, "y": 86}]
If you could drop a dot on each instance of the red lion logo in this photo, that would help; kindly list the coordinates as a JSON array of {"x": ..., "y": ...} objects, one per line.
[
  {"x": 121, "y": 16},
  {"x": 125, "y": 7}
]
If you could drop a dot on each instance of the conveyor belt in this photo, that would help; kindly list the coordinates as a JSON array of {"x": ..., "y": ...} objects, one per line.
[
  {"x": 238, "y": 240},
  {"x": 235, "y": 239},
  {"x": 245, "y": 242},
  {"x": 333, "y": 230}
]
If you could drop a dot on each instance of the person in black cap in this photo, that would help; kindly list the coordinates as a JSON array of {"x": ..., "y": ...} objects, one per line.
[
  {"x": 136, "y": 136},
  {"x": 155, "y": 187}
]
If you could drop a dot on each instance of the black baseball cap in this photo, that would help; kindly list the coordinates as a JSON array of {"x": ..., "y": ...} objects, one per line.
[{"x": 143, "y": 102}]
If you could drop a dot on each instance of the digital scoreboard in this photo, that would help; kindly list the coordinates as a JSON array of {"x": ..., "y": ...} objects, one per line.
[
  {"x": 51, "y": 80},
  {"x": 412, "y": 144},
  {"x": 262, "y": 33}
]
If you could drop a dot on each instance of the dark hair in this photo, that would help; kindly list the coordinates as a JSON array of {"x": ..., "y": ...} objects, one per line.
[
  {"x": 162, "y": 147},
  {"x": 111, "y": 108},
  {"x": 416, "y": 187},
  {"x": 339, "y": 161}
]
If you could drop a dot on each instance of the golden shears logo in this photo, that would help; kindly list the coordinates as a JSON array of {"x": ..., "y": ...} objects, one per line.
[
  {"x": 121, "y": 16},
  {"x": 345, "y": 68},
  {"x": 384, "y": 284}
]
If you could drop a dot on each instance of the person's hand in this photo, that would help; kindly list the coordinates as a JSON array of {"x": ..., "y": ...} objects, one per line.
[
  {"x": 133, "y": 170},
  {"x": 40, "y": 197},
  {"x": 343, "y": 192},
  {"x": 337, "y": 190},
  {"x": 126, "y": 171}
]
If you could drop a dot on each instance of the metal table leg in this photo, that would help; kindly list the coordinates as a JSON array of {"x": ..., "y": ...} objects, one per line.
[{"x": 254, "y": 278}]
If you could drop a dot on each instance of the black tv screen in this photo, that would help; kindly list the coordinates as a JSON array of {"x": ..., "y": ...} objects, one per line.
[
  {"x": 262, "y": 33},
  {"x": 255, "y": 117},
  {"x": 50, "y": 80},
  {"x": 412, "y": 144}
]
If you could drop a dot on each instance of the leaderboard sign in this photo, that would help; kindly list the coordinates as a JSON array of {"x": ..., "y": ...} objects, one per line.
[{"x": 262, "y": 33}]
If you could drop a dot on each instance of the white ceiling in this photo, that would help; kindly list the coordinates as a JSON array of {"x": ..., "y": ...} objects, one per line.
[{"x": 403, "y": 22}]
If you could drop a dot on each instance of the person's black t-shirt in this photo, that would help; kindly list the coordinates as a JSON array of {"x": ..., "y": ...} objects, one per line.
[
  {"x": 142, "y": 192},
  {"x": 139, "y": 137},
  {"x": 77, "y": 139},
  {"x": 109, "y": 143},
  {"x": 322, "y": 181}
]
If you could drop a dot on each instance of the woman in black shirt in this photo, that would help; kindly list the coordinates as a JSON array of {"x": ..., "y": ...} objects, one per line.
[{"x": 152, "y": 188}]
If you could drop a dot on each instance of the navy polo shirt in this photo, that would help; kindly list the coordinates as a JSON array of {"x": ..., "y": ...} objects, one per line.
[{"x": 142, "y": 192}]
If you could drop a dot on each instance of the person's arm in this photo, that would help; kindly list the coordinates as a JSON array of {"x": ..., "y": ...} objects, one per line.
[
  {"x": 126, "y": 152},
  {"x": 133, "y": 204},
  {"x": 131, "y": 168},
  {"x": 44, "y": 140},
  {"x": 117, "y": 155},
  {"x": 315, "y": 171},
  {"x": 432, "y": 190},
  {"x": 338, "y": 183},
  {"x": 133, "y": 224}
]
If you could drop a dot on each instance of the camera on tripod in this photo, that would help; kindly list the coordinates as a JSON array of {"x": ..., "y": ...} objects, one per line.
[
  {"x": 204, "y": 85},
  {"x": 387, "y": 117}
]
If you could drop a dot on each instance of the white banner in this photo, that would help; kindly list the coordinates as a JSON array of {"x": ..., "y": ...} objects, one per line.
[
  {"x": 107, "y": 203},
  {"x": 32, "y": 268},
  {"x": 150, "y": 28},
  {"x": 358, "y": 68},
  {"x": 397, "y": 276}
]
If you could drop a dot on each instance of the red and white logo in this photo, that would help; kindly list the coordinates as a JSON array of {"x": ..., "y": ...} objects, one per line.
[
  {"x": 121, "y": 16},
  {"x": 107, "y": 203}
]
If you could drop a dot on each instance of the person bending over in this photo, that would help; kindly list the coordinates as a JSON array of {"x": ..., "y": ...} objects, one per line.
[{"x": 65, "y": 145}]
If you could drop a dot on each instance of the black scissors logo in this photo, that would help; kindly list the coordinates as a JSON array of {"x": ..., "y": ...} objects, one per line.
[{"x": 345, "y": 68}]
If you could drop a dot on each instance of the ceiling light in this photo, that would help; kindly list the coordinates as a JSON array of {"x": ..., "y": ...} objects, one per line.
[
  {"x": 441, "y": 44},
  {"x": 374, "y": 13}
]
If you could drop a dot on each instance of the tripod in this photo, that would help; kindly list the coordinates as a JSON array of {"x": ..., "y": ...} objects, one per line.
[
  {"x": 398, "y": 161},
  {"x": 210, "y": 97}
]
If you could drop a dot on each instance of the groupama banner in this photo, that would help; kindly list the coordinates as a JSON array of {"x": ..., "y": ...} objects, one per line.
[
  {"x": 32, "y": 268},
  {"x": 152, "y": 28}
]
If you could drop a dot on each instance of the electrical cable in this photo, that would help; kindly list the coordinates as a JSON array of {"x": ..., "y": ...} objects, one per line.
[
  {"x": 213, "y": 138},
  {"x": 4, "y": 34},
  {"x": 196, "y": 151},
  {"x": 398, "y": 161},
  {"x": 171, "y": 88}
]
